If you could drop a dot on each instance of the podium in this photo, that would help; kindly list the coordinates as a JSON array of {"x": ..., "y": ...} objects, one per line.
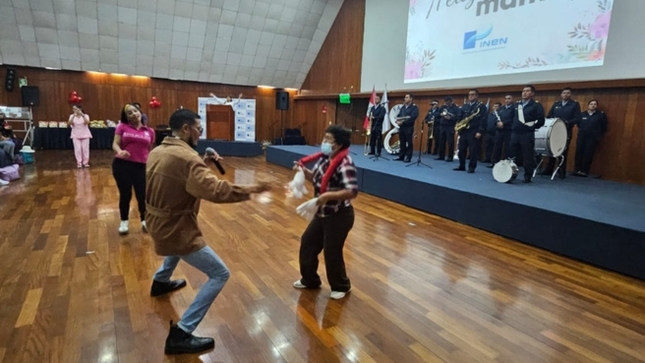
[{"x": 220, "y": 122}]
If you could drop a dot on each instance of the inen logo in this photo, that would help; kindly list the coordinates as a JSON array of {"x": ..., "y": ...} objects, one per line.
[
  {"x": 474, "y": 39},
  {"x": 496, "y": 5}
]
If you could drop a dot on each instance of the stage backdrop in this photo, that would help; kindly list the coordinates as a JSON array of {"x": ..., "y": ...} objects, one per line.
[{"x": 244, "y": 117}]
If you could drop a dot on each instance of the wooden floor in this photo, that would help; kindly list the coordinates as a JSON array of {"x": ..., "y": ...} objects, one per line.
[{"x": 425, "y": 289}]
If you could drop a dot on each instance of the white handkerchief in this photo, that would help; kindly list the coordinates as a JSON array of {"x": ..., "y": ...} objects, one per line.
[
  {"x": 520, "y": 113},
  {"x": 308, "y": 209},
  {"x": 297, "y": 185}
]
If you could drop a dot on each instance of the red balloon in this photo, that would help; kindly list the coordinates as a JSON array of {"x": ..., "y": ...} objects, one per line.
[
  {"x": 152, "y": 104},
  {"x": 154, "y": 98},
  {"x": 74, "y": 93}
]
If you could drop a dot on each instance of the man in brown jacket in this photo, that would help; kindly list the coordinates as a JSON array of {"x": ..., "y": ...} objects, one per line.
[{"x": 177, "y": 179}]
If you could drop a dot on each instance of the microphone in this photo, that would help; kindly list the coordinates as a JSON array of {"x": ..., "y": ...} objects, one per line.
[{"x": 211, "y": 152}]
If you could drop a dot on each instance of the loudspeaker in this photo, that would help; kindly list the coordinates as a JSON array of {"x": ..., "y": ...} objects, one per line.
[
  {"x": 281, "y": 100},
  {"x": 30, "y": 96},
  {"x": 9, "y": 79}
]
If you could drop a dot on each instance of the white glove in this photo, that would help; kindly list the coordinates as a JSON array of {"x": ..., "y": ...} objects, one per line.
[
  {"x": 308, "y": 209},
  {"x": 297, "y": 185}
]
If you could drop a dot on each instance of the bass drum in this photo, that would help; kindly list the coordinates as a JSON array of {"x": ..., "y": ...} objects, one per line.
[
  {"x": 551, "y": 139},
  {"x": 391, "y": 142},
  {"x": 505, "y": 171}
]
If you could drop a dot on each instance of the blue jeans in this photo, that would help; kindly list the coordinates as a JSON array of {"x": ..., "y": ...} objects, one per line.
[{"x": 208, "y": 262}]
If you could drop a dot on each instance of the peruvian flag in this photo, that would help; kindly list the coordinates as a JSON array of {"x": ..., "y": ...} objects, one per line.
[{"x": 366, "y": 123}]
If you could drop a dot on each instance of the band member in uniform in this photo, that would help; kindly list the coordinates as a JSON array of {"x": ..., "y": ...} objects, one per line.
[
  {"x": 591, "y": 126},
  {"x": 431, "y": 117},
  {"x": 450, "y": 115},
  {"x": 504, "y": 128},
  {"x": 491, "y": 130},
  {"x": 376, "y": 131},
  {"x": 528, "y": 117},
  {"x": 569, "y": 111},
  {"x": 407, "y": 117},
  {"x": 470, "y": 136}
]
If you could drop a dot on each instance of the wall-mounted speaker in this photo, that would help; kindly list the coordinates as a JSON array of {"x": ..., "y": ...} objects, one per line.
[
  {"x": 30, "y": 96},
  {"x": 10, "y": 79},
  {"x": 281, "y": 100}
]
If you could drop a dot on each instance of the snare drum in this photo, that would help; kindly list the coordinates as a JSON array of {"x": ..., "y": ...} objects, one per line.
[
  {"x": 505, "y": 171},
  {"x": 551, "y": 139}
]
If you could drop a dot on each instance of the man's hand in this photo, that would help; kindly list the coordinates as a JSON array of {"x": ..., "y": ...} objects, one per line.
[
  {"x": 478, "y": 135},
  {"x": 500, "y": 124}
]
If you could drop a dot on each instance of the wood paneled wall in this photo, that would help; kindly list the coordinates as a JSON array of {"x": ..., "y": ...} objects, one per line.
[
  {"x": 337, "y": 67},
  {"x": 105, "y": 94}
]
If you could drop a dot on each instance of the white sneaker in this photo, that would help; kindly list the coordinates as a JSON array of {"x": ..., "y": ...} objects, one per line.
[
  {"x": 144, "y": 227},
  {"x": 338, "y": 294},
  {"x": 4, "y": 182},
  {"x": 124, "y": 227},
  {"x": 299, "y": 285}
]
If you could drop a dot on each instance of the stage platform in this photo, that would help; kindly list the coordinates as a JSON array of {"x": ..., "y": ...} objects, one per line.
[
  {"x": 596, "y": 221},
  {"x": 231, "y": 148}
]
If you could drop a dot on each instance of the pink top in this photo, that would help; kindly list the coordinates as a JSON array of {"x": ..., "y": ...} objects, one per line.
[
  {"x": 136, "y": 142},
  {"x": 79, "y": 129}
]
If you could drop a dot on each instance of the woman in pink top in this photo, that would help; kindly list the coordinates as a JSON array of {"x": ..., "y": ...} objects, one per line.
[
  {"x": 81, "y": 136},
  {"x": 132, "y": 143}
]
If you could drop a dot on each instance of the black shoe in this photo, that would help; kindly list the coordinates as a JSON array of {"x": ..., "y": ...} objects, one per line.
[
  {"x": 178, "y": 342},
  {"x": 399, "y": 159},
  {"x": 459, "y": 168},
  {"x": 490, "y": 166},
  {"x": 370, "y": 154},
  {"x": 449, "y": 160},
  {"x": 439, "y": 158},
  {"x": 527, "y": 179},
  {"x": 160, "y": 288},
  {"x": 470, "y": 171},
  {"x": 407, "y": 161}
]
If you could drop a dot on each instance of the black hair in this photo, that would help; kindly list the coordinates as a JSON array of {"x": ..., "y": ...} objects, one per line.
[
  {"x": 567, "y": 89},
  {"x": 592, "y": 100},
  {"x": 124, "y": 116},
  {"x": 498, "y": 103},
  {"x": 447, "y": 98},
  {"x": 437, "y": 101},
  {"x": 182, "y": 117},
  {"x": 79, "y": 107},
  {"x": 137, "y": 105},
  {"x": 342, "y": 136},
  {"x": 531, "y": 87},
  {"x": 411, "y": 95},
  {"x": 474, "y": 90}
]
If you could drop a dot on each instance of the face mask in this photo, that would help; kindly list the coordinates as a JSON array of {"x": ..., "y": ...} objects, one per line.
[{"x": 325, "y": 147}]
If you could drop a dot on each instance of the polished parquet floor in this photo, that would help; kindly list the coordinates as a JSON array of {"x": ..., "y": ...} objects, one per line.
[{"x": 425, "y": 289}]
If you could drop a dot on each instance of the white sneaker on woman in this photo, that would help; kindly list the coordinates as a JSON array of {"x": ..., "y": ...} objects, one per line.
[
  {"x": 4, "y": 182},
  {"x": 299, "y": 285},
  {"x": 338, "y": 294},
  {"x": 124, "y": 227}
]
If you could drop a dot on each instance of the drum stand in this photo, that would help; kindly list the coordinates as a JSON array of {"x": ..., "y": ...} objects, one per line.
[
  {"x": 419, "y": 162},
  {"x": 560, "y": 161}
]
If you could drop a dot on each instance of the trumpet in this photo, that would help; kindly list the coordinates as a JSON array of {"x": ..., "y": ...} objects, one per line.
[{"x": 445, "y": 113}]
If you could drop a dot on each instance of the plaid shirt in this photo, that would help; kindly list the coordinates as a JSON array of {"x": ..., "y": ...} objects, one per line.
[{"x": 343, "y": 178}]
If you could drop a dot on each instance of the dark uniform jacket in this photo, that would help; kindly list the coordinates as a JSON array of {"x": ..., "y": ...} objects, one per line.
[{"x": 533, "y": 111}]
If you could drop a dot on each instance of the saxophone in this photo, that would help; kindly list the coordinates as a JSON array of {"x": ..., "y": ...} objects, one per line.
[{"x": 465, "y": 123}]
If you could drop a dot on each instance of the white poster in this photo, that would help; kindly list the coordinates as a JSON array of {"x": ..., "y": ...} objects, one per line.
[
  {"x": 450, "y": 39},
  {"x": 244, "y": 116}
]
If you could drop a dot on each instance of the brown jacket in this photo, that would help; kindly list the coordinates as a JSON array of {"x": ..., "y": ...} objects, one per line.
[{"x": 176, "y": 180}]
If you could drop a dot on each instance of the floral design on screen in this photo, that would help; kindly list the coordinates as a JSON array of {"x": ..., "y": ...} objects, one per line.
[
  {"x": 589, "y": 41},
  {"x": 417, "y": 64}
]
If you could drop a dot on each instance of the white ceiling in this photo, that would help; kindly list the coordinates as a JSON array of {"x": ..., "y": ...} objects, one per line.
[{"x": 243, "y": 42}]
